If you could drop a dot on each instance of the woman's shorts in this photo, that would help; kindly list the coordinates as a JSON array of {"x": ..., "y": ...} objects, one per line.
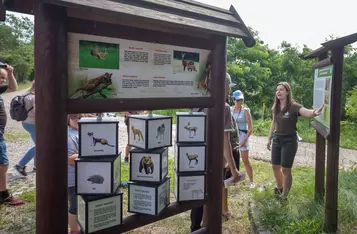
[
  {"x": 245, "y": 147},
  {"x": 284, "y": 149}
]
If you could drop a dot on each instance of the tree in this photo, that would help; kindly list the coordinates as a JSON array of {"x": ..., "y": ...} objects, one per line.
[{"x": 17, "y": 45}]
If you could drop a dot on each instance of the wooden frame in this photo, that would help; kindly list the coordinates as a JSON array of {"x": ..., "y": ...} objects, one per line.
[
  {"x": 185, "y": 23},
  {"x": 333, "y": 135}
]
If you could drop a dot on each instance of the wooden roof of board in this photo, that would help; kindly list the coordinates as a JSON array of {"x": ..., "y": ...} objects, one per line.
[{"x": 187, "y": 15}]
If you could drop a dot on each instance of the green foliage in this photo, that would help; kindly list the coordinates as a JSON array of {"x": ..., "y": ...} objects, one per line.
[
  {"x": 351, "y": 104},
  {"x": 16, "y": 45},
  {"x": 170, "y": 112}
]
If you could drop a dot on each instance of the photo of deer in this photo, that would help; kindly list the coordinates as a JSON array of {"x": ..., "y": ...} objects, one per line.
[
  {"x": 186, "y": 62},
  {"x": 191, "y": 129},
  {"x": 101, "y": 55}
]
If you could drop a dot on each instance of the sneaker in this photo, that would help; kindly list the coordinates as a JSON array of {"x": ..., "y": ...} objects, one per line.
[
  {"x": 229, "y": 182},
  {"x": 278, "y": 191},
  {"x": 21, "y": 169},
  {"x": 12, "y": 201},
  {"x": 251, "y": 185},
  {"x": 126, "y": 159}
]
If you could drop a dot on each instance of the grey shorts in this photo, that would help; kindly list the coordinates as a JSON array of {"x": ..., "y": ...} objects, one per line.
[
  {"x": 283, "y": 150},
  {"x": 72, "y": 200}
]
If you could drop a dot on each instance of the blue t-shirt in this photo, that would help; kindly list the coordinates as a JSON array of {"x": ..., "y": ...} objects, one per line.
[
  {"x": 240, "y": 118},
  {"x": 73, "y": 148}
]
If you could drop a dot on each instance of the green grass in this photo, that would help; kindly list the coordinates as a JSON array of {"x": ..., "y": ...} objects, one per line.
[
  {"x": 86, "y": 60},
  {"x": 301, "y": 214},
  {"x": 170, "y": 112},
  {"x": 16, "y": 136},
  {"x": 23, "y": 85}
]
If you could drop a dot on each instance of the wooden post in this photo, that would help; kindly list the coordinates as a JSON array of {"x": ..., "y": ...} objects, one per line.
[
  {"x": 331, "y": 216},
  {"x": 320, "y": 167},
  {"x": 320, "y": 159},
  {"x": 51, "y": 118},
  {"x": 215, "y": 130}
]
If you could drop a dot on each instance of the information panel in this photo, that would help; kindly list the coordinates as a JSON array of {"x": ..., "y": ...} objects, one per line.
[
  {"x": 103, "y": 67},
  {"x": 322, "y": 93}
]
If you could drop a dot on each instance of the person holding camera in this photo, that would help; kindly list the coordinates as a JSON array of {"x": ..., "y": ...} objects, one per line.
[{"x": 7, "y": 84}]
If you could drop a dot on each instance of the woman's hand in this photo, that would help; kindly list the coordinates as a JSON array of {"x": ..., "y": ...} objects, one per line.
[
  {"x": 269, "y": 144},
  {"x": 318, "y": 111},
  {"x": 242, "y": 144}
]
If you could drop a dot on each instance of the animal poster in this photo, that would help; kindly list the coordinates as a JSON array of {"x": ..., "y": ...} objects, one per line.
[
  {"x": 106, "y": 67},
  {"x": 191, "y": 188},
  {"x": 186, "y": 61},
  {"x": 165, "y": 165},
  {"x": 322, "y": 93},
  {"x": 137, "y": 133},
  {"x": 94, "y": 177},
  {"x": 101, "y": 55},
  {"x": 191, "y": 129},
  {"x": 163, "y": 195},
  {"x": 191, "y": 158},
  {"x": 81, "y": 214},
  {"x": 159, "y": 133},
  {"x": 142, "y": 199},
  {"x": 104, "y": 213},
  {"x": 145, "y": 167},
  {"x": 98, "y": 139}
]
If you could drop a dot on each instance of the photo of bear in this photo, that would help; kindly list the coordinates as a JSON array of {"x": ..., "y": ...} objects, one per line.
[{"x": 147, "y": 164}]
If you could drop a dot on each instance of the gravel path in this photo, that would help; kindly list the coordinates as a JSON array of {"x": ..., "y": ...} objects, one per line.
[{"x": 17, "y": 148}]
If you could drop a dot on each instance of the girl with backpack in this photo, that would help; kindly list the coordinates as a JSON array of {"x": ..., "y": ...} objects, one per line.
[{"x": 29, "y": 125}]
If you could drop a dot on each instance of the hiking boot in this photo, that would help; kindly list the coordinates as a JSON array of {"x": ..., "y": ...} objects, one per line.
[
  {"x": 21, "y": 169},
  {"x": 278, "y": 191},
  {"x": 12, "y": 201}
]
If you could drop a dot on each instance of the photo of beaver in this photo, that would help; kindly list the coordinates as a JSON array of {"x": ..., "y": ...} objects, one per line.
[{"x": 147, "y": 164}]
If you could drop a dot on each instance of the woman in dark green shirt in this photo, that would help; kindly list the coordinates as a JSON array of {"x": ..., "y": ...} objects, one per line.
[{"x": 283, "y": 133}]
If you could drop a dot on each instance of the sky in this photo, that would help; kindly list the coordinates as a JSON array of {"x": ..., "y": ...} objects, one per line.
[{"x": 296, "y": 22}]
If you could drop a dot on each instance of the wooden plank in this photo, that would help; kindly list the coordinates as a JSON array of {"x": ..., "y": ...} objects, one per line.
[
  {"x": 340, "y": 42},
  {"x": 320, "y": 129},
  {"x": 322, "y": 63},
  {"x": 100, "y": 16},
  {"x": 320, "y": 167},
  {"x": 2, "y": 14},
  {"x": 185, "y": 9},
  {"x": 20, "y": 6},
  {"x": 331, "y": 214},
  {"x": 215, "y": 131},
  {"x": 135, "y": 221},
  {"x": 248, "y": 41},
  {"x": 134, "y": 12},
  {"x": 51, "y": 119},
  {"x": 203, "y": 5},
  {"x": 113, "y": 105},
  {"x": 130, "y": 33}
]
